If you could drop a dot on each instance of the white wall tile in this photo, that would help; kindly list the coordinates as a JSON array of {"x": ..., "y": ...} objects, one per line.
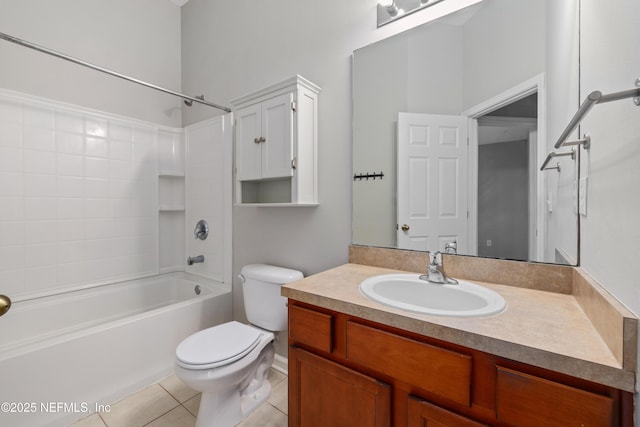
[
  {"x": 70, "y": 252},
  {"x": 77, "y": 194},
  {"x": 71, "y": 186},
  {"x": 10, "y": 159},
  {"x": 38, "y": 116},
  {"x": 70, "y": 230},
  {"x": 97, "y": 208},
  {"x": 69, "y": 122},
  {"x": 121, "y": 131},
  {"x": 38, "y": 139},
  {"x": 39, "y": 185},
  {"x": 120, "y": 150},
  {"x": 11, "y": 184},
  {"x": 40, "y": 278},
  {"x": 11, "y": 209},
  {"x": 10, "y": 112},
  {"x": 70, "y": 165},
  {"x": 96, "y": 168},
  {"x": 11, "y": 257},
  {"x": 12, "y": 281},
  {"x": 96, "y": 127},
  {"x": 40, "y": 255},
  {"x": 70, "y": 274},
  {"x": 69, "y": 143},
  {"x": 96, "y": 147},
  {"x": 70, "y": 208},
  {"x": 10, "y": 134},
  {"x": 12, "y": 233},
  {"x": 36, "y": 161},
  {"x": 40, "y": 208},
  {"x": 96, "y": 188},
  {"x": 119, "y": 169},
  {"x": 34, "y": 232}
]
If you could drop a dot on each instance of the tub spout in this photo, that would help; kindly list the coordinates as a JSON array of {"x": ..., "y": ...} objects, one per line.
[{"x": 195, "y": 259}]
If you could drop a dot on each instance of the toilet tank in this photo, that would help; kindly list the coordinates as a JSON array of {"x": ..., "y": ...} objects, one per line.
[{"x": 263, "y": 304}]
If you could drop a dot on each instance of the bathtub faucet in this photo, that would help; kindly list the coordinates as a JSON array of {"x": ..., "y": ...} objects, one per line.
[{"x": 195, "y": 259}]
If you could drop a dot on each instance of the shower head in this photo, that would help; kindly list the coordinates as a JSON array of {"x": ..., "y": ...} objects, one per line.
[{"x": 189, "y": 102}]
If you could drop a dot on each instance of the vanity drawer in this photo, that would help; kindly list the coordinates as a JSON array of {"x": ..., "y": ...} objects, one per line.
[
  {"x": 524, "y": 400},
  {"x": 442, "y": 372},
  {"x": 311, "y": 328}
]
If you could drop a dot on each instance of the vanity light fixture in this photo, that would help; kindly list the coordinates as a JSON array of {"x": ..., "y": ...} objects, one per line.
[
  {"x": 391, "y": 7},
  {"x": 390, "y": 10}
]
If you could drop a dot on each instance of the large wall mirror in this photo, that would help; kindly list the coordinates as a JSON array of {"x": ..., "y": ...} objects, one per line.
[{"x": 451, "y": 122}]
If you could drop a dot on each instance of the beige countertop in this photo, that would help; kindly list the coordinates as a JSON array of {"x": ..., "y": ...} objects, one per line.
[{"x": 545, "y": 329}]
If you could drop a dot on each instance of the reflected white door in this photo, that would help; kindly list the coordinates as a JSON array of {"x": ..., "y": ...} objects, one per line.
[{"x": 432, "y": 181}]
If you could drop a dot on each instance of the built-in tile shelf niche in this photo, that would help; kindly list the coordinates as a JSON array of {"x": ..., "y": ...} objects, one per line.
[{"x": 171, "y": 199}]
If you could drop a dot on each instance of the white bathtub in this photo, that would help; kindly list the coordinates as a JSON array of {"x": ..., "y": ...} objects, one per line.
[{"x": 63, "y": 356}]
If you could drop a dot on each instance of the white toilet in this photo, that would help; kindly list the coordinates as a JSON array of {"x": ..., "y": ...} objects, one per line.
[{"x": 229, "y": 363}]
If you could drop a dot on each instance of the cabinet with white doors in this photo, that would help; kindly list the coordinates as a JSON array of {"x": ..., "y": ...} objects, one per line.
[{"x": 276, "y": 145}]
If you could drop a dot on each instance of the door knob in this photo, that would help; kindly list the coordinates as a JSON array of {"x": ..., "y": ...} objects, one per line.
[
  {"x": 405, "y": 227},
  {"x": 5, "y": 304}
]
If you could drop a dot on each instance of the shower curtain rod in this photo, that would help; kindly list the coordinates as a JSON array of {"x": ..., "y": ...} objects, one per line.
[{"x": 60, "y": 55}]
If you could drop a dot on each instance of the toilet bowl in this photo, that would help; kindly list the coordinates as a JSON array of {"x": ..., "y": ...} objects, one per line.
[{"x": 229, "y": 363}]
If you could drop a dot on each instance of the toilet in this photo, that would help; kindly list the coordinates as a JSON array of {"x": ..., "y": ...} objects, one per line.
[{"x": 229, "y": 363}]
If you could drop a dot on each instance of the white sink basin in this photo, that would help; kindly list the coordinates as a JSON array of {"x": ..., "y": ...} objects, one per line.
[{"x": 408, "y": 292}]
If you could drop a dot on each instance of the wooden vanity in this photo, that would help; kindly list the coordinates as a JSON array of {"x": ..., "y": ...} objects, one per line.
[{"x": 354, "y": 362}]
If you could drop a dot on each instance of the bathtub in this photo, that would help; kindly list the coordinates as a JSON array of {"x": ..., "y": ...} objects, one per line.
[{"x": 65, "y": 356}]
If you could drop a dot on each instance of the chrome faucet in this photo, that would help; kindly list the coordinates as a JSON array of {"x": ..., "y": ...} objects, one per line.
[
  {"x": 435, "y": 271},
  {"x": 195, "y": 259}
]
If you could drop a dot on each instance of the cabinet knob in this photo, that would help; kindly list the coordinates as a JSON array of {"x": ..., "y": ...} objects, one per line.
[
  {"x": 405, "y": 227},
  {"x": 263, "y": 139},
  {"x": 256, "y": 140}
]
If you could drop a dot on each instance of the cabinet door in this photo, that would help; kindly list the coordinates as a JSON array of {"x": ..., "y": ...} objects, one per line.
[
  {"x": 524, "y": 400},
  {"x": 248, "y": 157},
  {"x": 323, "y": 393},
  {"x": 277, "y": 131},
  {"x": 424, "y": 414}
]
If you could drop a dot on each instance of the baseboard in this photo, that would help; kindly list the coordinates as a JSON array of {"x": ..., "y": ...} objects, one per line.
[{"x": 281, "y": 364}]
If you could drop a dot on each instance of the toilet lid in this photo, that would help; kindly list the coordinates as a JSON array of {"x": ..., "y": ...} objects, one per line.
[{"x": 217, "y": 346}]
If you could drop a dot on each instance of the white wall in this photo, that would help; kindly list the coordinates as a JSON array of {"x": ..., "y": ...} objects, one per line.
[
  {"x": 610, "y": 232},
  {"x": 232, "y": 48},
  {"x": 139, "y": 38}
]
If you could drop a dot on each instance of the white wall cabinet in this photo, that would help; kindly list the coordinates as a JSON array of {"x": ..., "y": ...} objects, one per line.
[{"x": 277, "y": 145}]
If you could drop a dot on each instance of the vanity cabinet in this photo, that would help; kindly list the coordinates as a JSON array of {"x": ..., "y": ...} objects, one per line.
[
  {"x": 340, "y": 364},
  {"x": 276, "y": 144}
]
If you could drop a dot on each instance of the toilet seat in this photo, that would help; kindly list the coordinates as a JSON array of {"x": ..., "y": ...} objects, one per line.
[{"x": 217, "y": 346}]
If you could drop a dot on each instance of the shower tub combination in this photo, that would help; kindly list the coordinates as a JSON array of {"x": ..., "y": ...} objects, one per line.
[{"x": 64, "y": 356}]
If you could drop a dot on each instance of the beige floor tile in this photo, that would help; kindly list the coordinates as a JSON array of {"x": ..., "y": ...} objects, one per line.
[
  {"x": 280, "y": 397},
  {"x": 176, "y": 388},
  {"x": 178, "y": 417},
  {"x": 276, "y": 377},
  {"x": 193, "y": 404},
  {"x": 265, "y": 416},
  {"x": 140, "y": 408},
  {"x": 90, "y": 421}
]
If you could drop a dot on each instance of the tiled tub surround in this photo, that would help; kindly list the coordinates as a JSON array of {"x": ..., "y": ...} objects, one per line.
[
  {"x": 80, "y": 211},
  {"x": 571, "y": 326},
  {"x": 78, "y": 196}
]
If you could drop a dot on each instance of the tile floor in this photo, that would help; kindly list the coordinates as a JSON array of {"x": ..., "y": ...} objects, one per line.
[{"x": 170, "y": 403}]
